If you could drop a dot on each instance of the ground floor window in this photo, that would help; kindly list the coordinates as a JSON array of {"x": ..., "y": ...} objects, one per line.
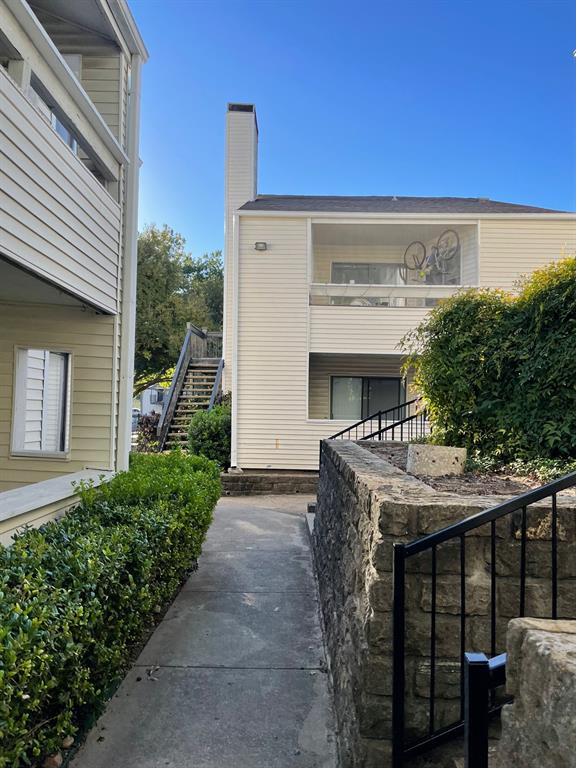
[
  {"x": 41, "y": 402},
  {"x": 356, "y": 397}
]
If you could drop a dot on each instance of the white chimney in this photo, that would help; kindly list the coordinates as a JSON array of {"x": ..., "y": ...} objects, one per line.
[
  {"x": 241, "y": 172},
  {"x": 241, "y": 155}
]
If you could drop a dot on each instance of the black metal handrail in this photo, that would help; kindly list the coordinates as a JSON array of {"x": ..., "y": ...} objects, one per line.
[
  {"x": 381, "y": 423},
  {"x": 411, "y": 427},
  {"x": 517, "y": 508}
]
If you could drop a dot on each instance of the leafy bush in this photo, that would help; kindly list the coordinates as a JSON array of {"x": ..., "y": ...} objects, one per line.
[
  {"x": 497, "y": 371},
  {"x": 209, "y": 434},
  {"x": 76, "y": 595}
]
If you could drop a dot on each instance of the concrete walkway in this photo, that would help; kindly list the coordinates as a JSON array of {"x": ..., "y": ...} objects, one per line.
[{"x": 234, "y": 676}]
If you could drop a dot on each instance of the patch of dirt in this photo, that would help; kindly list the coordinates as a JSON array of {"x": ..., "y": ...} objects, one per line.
[
  {"x": 472, "y": 484},
  {"x": 468, "y": 484}
]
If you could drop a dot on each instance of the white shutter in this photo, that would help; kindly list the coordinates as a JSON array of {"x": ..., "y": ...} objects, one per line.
[
  {"x": 54, "y": 394},
  {"x": 34, "y": 366}
]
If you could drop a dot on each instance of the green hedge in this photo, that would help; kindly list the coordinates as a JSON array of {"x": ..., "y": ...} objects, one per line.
[
  {"x": 77, "y": 595},
  {"x": 209, "y": 434},
  {"x": 497, "y": 371}
]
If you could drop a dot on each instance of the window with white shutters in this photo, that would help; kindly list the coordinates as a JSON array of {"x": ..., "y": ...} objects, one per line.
[{"x": 41, "y": 402}]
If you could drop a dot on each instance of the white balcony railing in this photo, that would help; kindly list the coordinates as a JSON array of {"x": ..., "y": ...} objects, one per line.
[{"x": 355, "y": 294}]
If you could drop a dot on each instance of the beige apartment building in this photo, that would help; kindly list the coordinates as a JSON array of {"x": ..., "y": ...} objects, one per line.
[
  {"x": 69, "y": 132},
  {"x": 319, "y": 291}
]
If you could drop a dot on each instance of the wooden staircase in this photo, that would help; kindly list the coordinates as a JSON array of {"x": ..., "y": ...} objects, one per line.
[
  {"x": 195, "y": 385},
  {"x": 194, "y": 396}
]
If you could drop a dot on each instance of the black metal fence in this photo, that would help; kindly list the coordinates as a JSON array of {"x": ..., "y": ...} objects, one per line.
[
  {"x": 481, "y": 677},
  {"x": 401, "y": 422},
  {"x": 513, "y": 527}
]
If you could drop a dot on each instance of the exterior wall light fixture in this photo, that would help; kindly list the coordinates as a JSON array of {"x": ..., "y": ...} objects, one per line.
[{"x": 260, "y": 246}]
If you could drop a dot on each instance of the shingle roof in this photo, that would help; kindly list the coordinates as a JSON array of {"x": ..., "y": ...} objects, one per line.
[{"x": 390, "y": 204}]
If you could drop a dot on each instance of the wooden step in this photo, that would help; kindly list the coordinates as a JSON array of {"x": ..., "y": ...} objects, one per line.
[
  {"x": 194, "y": 396},
  {"x": 188, "y": 406},
  {"x": 203, "y": 384},
  {"x": 202, "y": 372}
]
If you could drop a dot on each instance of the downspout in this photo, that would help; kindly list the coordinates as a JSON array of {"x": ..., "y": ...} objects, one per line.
[
  {"x": 236, "y": 315},
  {"x": 129, "y": 270}
]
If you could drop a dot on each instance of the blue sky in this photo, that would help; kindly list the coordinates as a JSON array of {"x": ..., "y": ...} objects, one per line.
[{"x": 418, "y": 97}]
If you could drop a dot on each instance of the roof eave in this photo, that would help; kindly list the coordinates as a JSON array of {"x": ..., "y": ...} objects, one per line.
[
  {"x": 125, "y": 20},
  {"x": 389, "y": 215}
]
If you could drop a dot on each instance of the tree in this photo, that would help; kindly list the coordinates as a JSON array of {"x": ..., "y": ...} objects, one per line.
[
  {"x": 173, "y": 288},
  {"x": 206, "y": 284}
]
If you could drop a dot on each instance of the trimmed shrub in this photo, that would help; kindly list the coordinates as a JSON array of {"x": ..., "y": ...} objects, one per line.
[
  {"x": 209, "y": 434},
  {"x": 77, "y": 595},
  {"x": 497, "y": 371}
]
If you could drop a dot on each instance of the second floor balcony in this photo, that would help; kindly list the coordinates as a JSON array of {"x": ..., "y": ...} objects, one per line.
[
  {"x": 391, "y": 265},
  {"x": 58, "y": 220}
]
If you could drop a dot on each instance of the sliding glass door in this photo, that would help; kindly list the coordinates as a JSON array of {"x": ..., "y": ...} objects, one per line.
[
  {"x": 346, "y": 397},
  {"x": 355, "y": 397}
]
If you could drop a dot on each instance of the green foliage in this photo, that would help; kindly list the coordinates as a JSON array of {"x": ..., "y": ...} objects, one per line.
[
  {"x": 77, "y": 594},
  {"x": 543, "y": 470},
  {"x": 497, "y": 372},
  {"x": 205, "y": 277},
  {"x": 209, "y": 434},
  {"x": 173, "y": 288}
]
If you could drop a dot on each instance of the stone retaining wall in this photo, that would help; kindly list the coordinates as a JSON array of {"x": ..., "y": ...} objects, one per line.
[
  {"x": 364, "y": 506},
  {"x": 539, "y": 728}
]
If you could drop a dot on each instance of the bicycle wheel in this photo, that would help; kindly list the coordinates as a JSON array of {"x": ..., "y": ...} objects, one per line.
[
  {"x": 447, "y": 247},
  {"x": 415, "y": 256}
]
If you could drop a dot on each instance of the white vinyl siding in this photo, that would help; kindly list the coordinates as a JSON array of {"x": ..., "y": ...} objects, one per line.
[
  {"x": 469, "y": 255},
  {"x": 272, "y": 395},
  {"x": 101, "y": 79},
  {"x": 513, "y": 248},
  {"x": 40, "y": 402},
  {"x": 57, "y": 219},
  {"x": 361, "y": 330},
  {"x": 90, "y": 338}
]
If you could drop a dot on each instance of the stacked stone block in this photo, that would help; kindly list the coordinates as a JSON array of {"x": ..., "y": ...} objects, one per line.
[{"x": 365, "y": 505}]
